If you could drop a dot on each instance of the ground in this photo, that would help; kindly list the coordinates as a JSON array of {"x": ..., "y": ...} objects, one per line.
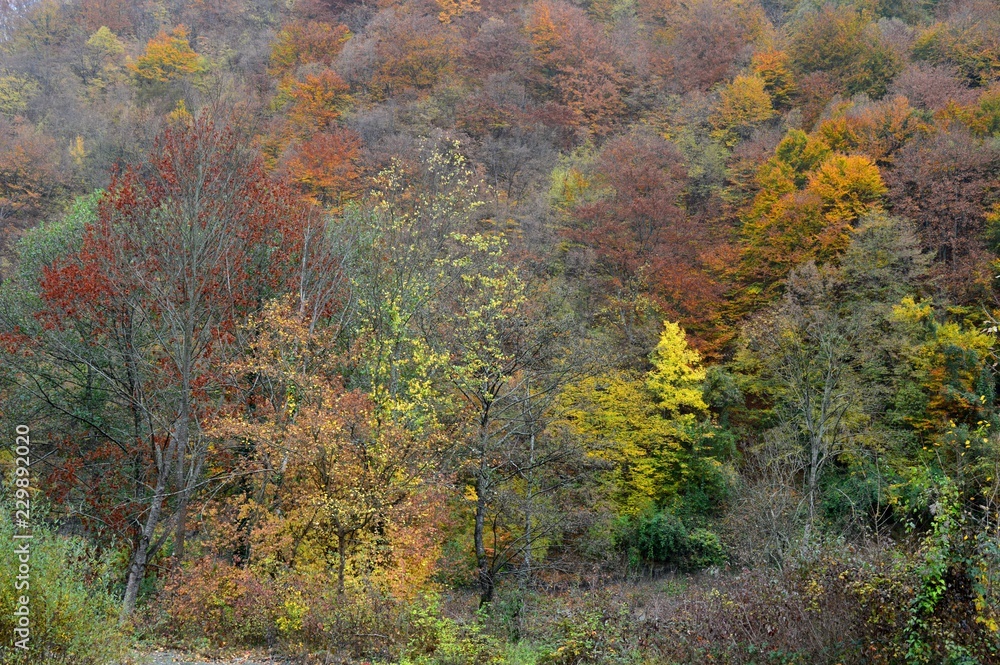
[{"x": 177, "y": 658}]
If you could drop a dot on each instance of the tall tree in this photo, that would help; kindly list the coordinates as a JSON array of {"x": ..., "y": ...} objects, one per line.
[{"x": 180, "y": 253}]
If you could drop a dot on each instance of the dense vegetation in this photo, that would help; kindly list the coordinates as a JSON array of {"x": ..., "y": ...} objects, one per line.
[{"x": 487, "y": 331}]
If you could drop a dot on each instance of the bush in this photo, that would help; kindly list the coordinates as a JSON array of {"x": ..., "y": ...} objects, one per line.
[
  {"x": 704, "y": 549},
  {"x": 590, "y": 634},
  {"x": 73, "y": 614},
  {"x": 213, "y": 604},
  {"x": 661, "y": 537},
  {"x": 438, "y": 640},
  {"x": 218, "y": 602}
]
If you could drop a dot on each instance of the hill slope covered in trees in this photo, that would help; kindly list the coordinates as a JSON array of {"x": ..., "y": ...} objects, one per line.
[{"x": 503, "y": 331}]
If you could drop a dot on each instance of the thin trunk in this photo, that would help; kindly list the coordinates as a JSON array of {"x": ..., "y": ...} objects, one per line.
[
  {"x": 485, "y": 574},
  {"x": 137, "y": 570},
  {"x": 813, "y": 488},
  {"x": 184, "y": 492},
  {"x": 528, "y": 509},
  {"x": 342, "y": 558}
]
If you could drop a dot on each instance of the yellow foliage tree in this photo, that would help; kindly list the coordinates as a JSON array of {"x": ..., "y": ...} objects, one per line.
[
  {"x": 15, "y": 93},
  {"x": 775, "y": 69},
  {"x": 677, "y": 376},
  {"x": 653, "y": 429},
  {"x": 808, "y": 201},
  {"x": 451, "y": 9},
  {"x": 743, "y": 104},
  {"x": 341, "y": 472},
  {"x": 167, "y": 57},
  {"x": 848, "y": 186}
]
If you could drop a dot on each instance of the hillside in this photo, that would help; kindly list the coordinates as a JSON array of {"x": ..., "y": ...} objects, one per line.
[{"x": 470, "y": 332}]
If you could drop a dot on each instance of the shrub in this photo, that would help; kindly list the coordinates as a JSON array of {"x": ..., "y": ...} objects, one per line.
[
  {"x": 217, "y": 601},
  {"x": 661, "y": 537},
  {"x": 438, "y": 640},
  {"x": 73, "y": 613}
]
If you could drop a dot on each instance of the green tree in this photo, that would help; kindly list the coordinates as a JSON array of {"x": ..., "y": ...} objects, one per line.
[{"x": 654, "y": 430}]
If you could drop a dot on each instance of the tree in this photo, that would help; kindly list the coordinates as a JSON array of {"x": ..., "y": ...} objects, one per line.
[
  {"x": 966, "y": 40},
  {"x": 806, "y": 353},
  {"x": 102, "y": 57},
  {"x": 932, "y": 87},
  {"x": 704, "y": 42},
  {"x": 117, "y": 16},
  {"x": 774, "y": 67},
  {"x": 178, "y": 256},
  {"x": 642, "y": 242},
  {"x": 511, "y": 356},
  {"x": 413, "y": 52},
  {"x": 575, "y": 65},
  {"x": 315, "y": 100},
  {"x": 337, "y": 467},
  {"x": 824, "y": 361},
  {"x": 11, "y": 14},
  {"x": 945, "y": 184},
  {"x": 743, "y": 104},
  {"x": 15, "y": 93},
  {"x": 451, "y": 9},
  {"x": 808, "y": 202},
  {"x": 654, "y": 431},
  {"x": 30, "y": 180},
  {"x": 842, "y": 41},
  {"x": 325, "y": 167},
  {"x": 878, "y": 130},
  {"x": 167, "y": 57},
  {"x": 304, "y": 43}
]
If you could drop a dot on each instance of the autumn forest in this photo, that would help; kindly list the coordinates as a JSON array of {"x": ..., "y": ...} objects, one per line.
[{"x": 487, "y": 332}]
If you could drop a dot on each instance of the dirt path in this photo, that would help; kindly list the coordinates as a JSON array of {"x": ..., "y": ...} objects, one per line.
[{"x": 176, "y": 658}]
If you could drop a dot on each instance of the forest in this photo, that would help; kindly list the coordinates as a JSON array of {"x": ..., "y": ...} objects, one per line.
[{"x": 489, "y": 332}]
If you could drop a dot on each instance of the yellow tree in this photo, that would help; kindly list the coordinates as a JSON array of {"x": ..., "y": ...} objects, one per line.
[
  {"x": 774, "y": 67},
  {"x": 744, "y": 103},
  {"x": 339, "y": 472},
  {"x": 652, "y": 429},
  {"x": 167, "y": 57},
  {"x": 809, "y": 197}
]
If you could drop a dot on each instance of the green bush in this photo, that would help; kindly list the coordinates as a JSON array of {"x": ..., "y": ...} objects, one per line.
[
  {"x": 660, "y": 536},
  {"x": 73, "y": 614},
  {"x": 438, "y": 640},
  {"x": 704, "y": 549},
  {"x": 593, "y": 627}
]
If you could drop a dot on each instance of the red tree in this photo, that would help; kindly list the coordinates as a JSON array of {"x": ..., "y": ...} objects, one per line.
[
  {"x": 946, "y": 183},
  {"x": 642, "y": 241},
  {"x": 184, "y": 249}
]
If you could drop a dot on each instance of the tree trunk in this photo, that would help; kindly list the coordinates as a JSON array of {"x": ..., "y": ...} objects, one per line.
[
  {"x": 342, "y": 558},
  {"x": 813, "y": 488},
  {"x": 183, "y": 437},
  {"x": 485, "y": 574},
  {"x": 529, "y": 500},
  {"x": 137, "y": 569}
]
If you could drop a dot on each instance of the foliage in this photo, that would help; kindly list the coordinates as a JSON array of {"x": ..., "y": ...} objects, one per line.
[
  {"x": 15, "y": 93},
  {"x": 167, "y": 57},
  {"x": 659, "y": 536},
  {"x": 304, "y": 43},
  {"x": 73, "y": 609},
  {"x": 745, "y": 102},
  {"x": 435, "y": 639},
  {"x": 651, "y": 431},
  {"x": 334, "y": 317},
  {"x": 839, "y": 39},
  {"x": 809, "y": 200}
]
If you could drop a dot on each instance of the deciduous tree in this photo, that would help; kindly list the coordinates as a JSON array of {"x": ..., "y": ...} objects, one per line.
[{"x": 178, "y": 256}]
